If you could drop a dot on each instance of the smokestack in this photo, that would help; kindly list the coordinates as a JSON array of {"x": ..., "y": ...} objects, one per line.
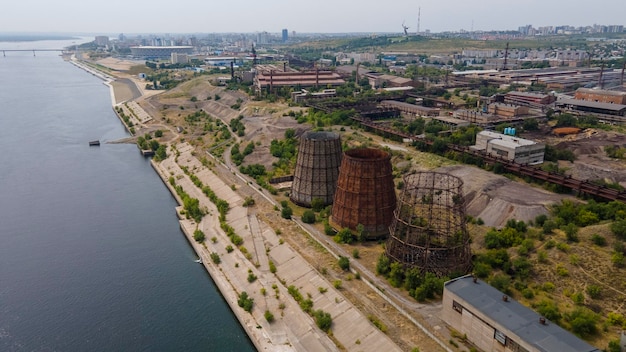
[
  {"x": 271, "y": 80},
  {"x": 317, "y": 77},
  {"x": 284, "y": 66},
  {"x": 232, "y": 69}
]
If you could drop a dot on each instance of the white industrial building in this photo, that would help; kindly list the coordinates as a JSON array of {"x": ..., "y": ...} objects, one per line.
[
  {"x": 519, "y": 150},
  {"x": 492, "y": 321}
]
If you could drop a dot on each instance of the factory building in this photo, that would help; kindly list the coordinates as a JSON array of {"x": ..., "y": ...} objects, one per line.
[
  {"x": 507, "y": 110},
  {"x": 601, "y": 96},
  {"x": 276, "y": 79},
  {"x": 592, "y": 107},
  {"x": 492, "y": 321},
  {"x": 519, "y": 150},
  {"x": 528, "y": 98},
  {"x": 411, "y": 109}
]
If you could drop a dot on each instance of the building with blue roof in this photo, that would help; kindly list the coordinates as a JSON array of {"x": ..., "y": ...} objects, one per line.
[{"x": 492, "y": 321}]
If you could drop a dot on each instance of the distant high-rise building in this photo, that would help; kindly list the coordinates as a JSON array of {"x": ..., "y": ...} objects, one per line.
[
  {"x": 102, "y": 40},
  {"x": 285, "y": 35}
]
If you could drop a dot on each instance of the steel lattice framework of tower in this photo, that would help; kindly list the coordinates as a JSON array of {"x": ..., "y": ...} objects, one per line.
[
  {"x": 365, "y": 193},
  {"x": 317, "y": 168},
  {"x": 429, "y": 229}
]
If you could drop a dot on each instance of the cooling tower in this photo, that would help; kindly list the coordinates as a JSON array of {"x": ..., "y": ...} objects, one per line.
[
  {"x": 317, "y": 168},
  {"x": 429, "y": 229},
  {"x": 365, "y": 193}
]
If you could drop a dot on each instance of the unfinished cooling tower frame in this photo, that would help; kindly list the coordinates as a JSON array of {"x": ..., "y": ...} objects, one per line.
[
  {"x": 317, "y": 168},
  {"x": 365, "y": 193},
  {"x": 429, "y": 229}
]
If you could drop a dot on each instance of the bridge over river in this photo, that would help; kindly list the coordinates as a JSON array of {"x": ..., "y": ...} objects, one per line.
[{"x": 5, "y": 51}]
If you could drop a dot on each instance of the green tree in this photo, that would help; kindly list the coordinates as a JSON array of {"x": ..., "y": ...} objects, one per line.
[
  {"x": 344, "y": 236},
  {"x": 308, "y": 217},
  {"x": 317, "y": 204},
  {"x": 286, "y": 212},
  {"x": 383, "y": 265},
  {"x": 582, "y": 321},
  {"x": 199, "y": 236}
]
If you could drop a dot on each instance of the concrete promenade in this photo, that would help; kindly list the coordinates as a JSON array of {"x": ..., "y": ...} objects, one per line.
[{"x": 292, "y": 329}]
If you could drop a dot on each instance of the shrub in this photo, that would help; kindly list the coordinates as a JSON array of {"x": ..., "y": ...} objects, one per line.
[
  {"x": 229, "y": 248},
  {"x": 355, "y": 253},
  {"x": 306, "y": 305},
  {"x": 308, "y": 217},
  {"x": 317, "y": 204},
  {"x": 269, "y": 316},
  {"x": 549, "y": 226},
  {"x": 286, "y": 213},
  {"x": 549, "y": 310},
  {"x": 594, "y": 291},
  {"x": 571, "y": 232},
  {"x": 528, "y": 293},
  {"x": 251, "y": 277},
  {"x": 482, "y": 270},
  {"x": 344, "y": 263},
  {"x": 199, "y": 236},
  {"x": 272, "y": 267},
  {"x": 582, "y": 321},
  {"x": 215, "y": 258},
  {"x": 337, "y": 284},
  {"x": 245, "y": 302},
  {"x": 383, "y": 265},
  {"x": 344, "y": 236},
  {"x": 323, "y": 320},
  {"x": 619, "y": 229},
  {"x": 377, "y": 323},
  {"x": 598, "y": 240},
  {"x": 501, "y": 282}
]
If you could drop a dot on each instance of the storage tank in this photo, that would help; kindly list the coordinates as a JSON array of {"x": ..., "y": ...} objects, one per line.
[
  {"x": 317, "y": 168},
  {"x": 365, "y": 193},
  {"x": 429, "y": 229}
]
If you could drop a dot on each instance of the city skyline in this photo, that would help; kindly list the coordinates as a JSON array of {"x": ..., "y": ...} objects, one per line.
[{"x": 367, "y": 16}]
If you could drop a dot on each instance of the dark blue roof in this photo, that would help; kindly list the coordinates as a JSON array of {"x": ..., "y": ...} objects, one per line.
[{"x": 514, "y": 317}]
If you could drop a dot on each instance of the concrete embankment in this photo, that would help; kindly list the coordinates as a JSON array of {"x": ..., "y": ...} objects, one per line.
[{"x": 292, "y": 328}]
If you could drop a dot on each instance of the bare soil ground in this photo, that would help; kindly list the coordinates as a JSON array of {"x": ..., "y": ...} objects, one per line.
[{"x": 592, "y": 162}]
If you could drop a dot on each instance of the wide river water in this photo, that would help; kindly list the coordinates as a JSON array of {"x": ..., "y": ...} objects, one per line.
[{"x": 91, "y": 255}]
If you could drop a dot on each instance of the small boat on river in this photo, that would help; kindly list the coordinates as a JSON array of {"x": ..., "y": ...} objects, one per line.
[{"x": 94, "y": 143}]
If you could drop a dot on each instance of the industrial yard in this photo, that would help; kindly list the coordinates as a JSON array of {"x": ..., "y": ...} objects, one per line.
[{"x": 212, "y": 119}]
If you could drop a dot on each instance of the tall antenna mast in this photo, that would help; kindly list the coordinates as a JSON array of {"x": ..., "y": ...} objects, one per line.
[{"x": 419, "y": 12}]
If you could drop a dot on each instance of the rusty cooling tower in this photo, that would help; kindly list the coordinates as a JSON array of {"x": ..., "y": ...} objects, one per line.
[
  {"x": 317, "y": 168},
  {"x": 429, "y": 229},
  {"x": 365, "y": 192}
]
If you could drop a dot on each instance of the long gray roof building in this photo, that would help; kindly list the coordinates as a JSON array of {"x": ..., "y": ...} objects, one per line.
[{"x": 490, "y": 318}]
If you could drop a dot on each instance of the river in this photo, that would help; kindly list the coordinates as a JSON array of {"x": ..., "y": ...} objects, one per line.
[{"x": 91, "y": 254}]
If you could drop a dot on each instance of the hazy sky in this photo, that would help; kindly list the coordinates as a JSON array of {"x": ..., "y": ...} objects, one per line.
[{"x": 187, "y": 16}]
